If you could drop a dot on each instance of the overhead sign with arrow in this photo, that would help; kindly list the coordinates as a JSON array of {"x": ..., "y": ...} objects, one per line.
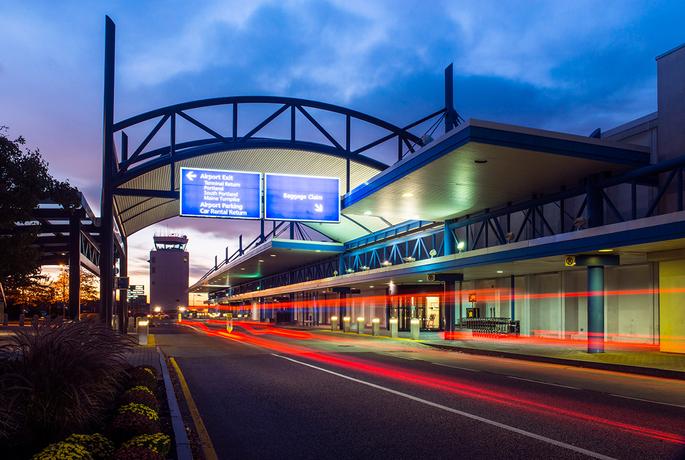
[
  {"x": 302, "y": 198},
  {"x": 221, "y": 194}
]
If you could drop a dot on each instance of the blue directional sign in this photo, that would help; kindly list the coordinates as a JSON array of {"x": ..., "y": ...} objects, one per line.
[
  {"x": 222, "y": 194},
  {"x": 302, "y": 198}
]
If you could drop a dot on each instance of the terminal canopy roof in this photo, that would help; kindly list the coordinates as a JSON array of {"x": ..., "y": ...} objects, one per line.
[{"x": 483, "y": 165}]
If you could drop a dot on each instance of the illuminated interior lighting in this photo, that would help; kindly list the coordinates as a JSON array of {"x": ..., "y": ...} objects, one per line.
[
  {"x": 242, "y": 268},
  {"x": 387, "y": 263},
  {"x": 260, "y": 260},
  {"x": 272, "y": 255},
  {"x": 367, "y": 213},
  {"x": 420, "y": 281},
  {"x": 461, "y": 245},
  {"x": 371, "y": 287},
  {"x": 606, "y": 250},
  {"x": 407, "y": 195},
  {"x": 500, "y": 272}
]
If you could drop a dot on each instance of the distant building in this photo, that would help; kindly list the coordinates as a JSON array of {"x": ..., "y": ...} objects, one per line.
[{"x": 169, "y": 271}]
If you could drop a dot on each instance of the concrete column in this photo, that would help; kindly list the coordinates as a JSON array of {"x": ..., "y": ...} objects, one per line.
[
  {"x": 595, "y": 309},
  {"x": 74, "y": 267}
]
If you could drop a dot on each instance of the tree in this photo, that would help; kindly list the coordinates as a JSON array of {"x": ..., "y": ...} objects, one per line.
[
  {"x": 24, "y": 182},
  {"x": 89, "y": 288}
]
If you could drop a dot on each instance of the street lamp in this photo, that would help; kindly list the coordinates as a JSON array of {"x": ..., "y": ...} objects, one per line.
[{"x": 157, "y": 309}]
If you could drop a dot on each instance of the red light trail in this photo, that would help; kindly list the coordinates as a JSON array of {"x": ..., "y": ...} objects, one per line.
[{"x": 430, "y": 381}]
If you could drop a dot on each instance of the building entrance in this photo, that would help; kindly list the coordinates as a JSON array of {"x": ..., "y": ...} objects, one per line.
[{"x": 427, "y": 308}]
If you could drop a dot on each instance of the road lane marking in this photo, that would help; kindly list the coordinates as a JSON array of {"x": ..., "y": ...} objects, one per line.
[
  {"x": 503, "y": 426},
  {"x": 544, "y": 383},
  {"x": 648, "y": 401},
  {"x": 202, "y": 433},
  {"x": 457, "y": 367}
]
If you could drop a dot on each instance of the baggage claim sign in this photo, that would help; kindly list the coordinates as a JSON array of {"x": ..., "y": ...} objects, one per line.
[{"x": 238, "y": 195}]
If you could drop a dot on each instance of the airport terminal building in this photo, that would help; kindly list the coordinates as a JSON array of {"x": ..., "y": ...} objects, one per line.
[{"x": 568, "y": 235}]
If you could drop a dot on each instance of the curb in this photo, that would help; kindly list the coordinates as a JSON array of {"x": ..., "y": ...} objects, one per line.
[
  {"x": 183, "y": 450},
  {"x": 649, "y": 371}
]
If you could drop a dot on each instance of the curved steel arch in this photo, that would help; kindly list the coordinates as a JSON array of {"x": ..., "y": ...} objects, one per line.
[
  {"x": 192, "y": 149},
  {"x": 139, "y": 160}
]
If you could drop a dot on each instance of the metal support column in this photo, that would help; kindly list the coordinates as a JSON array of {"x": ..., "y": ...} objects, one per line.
[
  {"x": 450, "y": 295},
  {"x": 123, "y": 293},
  {"x": 448, "y": 241},
  {"x": 595, "y": 309},
  {"x": 595, "y": 301},
  {"x": 450, "y": 113},
  {"x": 595, "y": 203},
  {"x": 342, "y": 308},
  {"x": 107, "y": 219},
  {"x": 74, "y": 267},
  {"x": 512, "y": 297}
]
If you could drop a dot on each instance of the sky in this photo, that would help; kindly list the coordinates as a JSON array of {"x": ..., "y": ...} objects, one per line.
[{"x": 559, "y": 65}]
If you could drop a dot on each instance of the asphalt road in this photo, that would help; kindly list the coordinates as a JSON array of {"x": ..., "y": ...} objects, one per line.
[{"x": 266, "y": 396}]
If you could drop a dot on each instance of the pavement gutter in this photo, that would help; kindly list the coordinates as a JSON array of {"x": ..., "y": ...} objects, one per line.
[{"x": 183, "y": 450}]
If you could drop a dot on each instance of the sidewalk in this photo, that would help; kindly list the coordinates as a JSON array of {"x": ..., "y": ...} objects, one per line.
[
  {"x": 640, "y": 360},
  {"x": 142, "y": 355}
]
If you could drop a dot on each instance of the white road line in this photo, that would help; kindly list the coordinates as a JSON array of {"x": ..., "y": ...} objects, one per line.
[
  {"x": 648, "y": 401},
  {"x": 503, "y": 426},
  {"x": 456, "y": 367},
  {"x": 543, "y": 383}
]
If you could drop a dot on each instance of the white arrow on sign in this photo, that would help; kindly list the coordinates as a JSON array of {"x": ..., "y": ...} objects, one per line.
[
  {"x": 191, "y": 175},
  {"x": 318, "y": 207}
]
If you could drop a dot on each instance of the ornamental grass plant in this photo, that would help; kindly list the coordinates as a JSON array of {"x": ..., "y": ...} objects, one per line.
[{"x": 56, "y": 379}]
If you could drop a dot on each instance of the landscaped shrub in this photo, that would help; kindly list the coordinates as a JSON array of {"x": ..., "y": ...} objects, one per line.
[
  {"x": 63, "y": 451},
  {"x": 58, "y": 378},
  {"x": 140, "y": 395},
  {"x": 99, "y": 447},
  {"x": 133, "y": 420},
  {"x": 159, "y": 442},
  {"x": 137, "y": 453},
  {"x": 143, "y": 376}
]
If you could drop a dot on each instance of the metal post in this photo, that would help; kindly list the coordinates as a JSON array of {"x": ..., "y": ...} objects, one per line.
[
  {"x": 107, "y": 218},
  {"x": 123, "y": 293},
  {"x": 595, "y": 309},
  {"x": 292, "y": 230},
  {"x": 450, "y": 113},
  {"x": 74, "y": 267}
]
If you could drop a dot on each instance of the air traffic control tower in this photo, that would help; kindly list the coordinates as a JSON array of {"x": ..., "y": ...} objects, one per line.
[{"x": 169, "y": 273}]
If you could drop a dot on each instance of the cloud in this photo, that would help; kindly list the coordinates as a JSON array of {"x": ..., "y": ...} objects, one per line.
[
  {"x": 191, "y": 49},
  {"x": 528, "y": 42}
]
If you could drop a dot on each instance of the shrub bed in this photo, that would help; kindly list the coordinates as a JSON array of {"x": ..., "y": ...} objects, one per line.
[{"x": 62, "y": 382}]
